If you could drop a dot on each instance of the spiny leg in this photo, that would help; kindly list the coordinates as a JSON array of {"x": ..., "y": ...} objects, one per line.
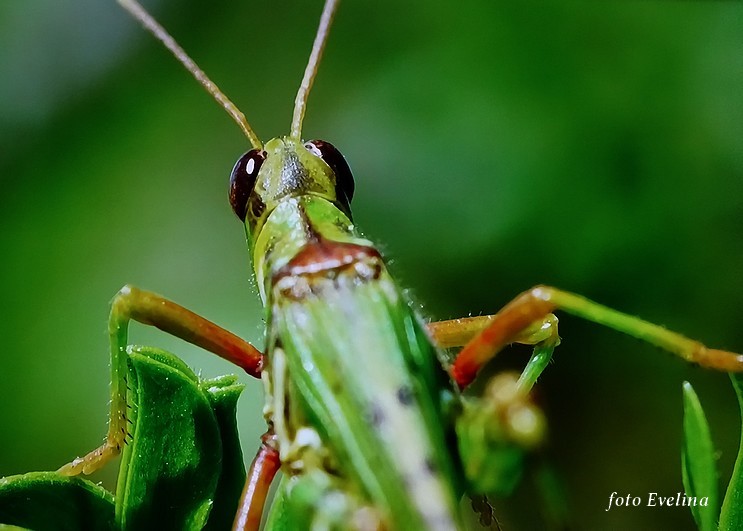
[
  {"x": 262, "y": 471},
  {"x": 152, "y": 309},
  {"x": 534, "y": 305}
]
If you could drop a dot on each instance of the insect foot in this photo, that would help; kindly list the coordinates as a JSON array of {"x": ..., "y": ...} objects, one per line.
[{"x": 93, "y": 461}]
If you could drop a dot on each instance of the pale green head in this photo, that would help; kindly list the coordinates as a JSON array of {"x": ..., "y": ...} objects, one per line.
[{"x": 285, "y": 168}]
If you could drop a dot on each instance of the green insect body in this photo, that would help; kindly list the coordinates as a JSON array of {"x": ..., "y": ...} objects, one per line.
[
  {"x": 354, "y": 384},
  {"x": 364, "y": 411}
]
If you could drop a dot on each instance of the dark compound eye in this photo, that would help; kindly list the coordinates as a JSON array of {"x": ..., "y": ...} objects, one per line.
[
  {"x": 344, "y": 184},
  {"x": 242, "y": 180}
]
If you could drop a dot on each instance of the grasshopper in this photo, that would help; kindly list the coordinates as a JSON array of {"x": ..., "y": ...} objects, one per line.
[{"x": 314, "y": 270}]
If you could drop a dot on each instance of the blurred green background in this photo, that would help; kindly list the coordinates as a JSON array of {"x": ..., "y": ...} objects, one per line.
[{"x": 496, "y": 145}]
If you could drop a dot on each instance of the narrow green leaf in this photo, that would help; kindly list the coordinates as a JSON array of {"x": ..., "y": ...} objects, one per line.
[
  {"x": 731, "y": 517},
  {"x": 554, "y": 501},
  {"x": 49, "y": 501},
  {"x": 698, "y": 466},
  {"x": 170, "y": 467}
]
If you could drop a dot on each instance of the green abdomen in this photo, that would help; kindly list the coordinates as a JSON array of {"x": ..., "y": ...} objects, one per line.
[{"x": 365, "y": 377}]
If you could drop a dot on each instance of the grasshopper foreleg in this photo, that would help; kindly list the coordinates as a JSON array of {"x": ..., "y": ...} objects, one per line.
[
  {"x": 542, "y": 333},
  {"x": 534, "y": 305},
  {"x": 148, "y": 308},
  {"x": 495, "y": 431}
]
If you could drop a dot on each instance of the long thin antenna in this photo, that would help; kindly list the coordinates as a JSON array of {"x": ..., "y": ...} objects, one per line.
[
  {"x": 300, "y": 103},
  {"x": 151, "y": 25}
]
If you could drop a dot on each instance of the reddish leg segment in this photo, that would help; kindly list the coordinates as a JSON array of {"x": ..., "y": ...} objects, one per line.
[
  {"x": 152, "y": 309},
  {"x": 532, "y": 306},
  {"x": 459, "y": 332},
  {"x": 262, "y": 471}
]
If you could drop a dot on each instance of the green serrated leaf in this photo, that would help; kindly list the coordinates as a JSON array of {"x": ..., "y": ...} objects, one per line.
[
  {"x": 182, "y": 464},
  {"x": 171, "y": 360},
  {"x": 49, "y": 501},
  {"x": 170, "y": 467},
  {"x": 731, "y": 517},
  {"x": 698, "y": 466},
  {"x": 223, "y": 393}
]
